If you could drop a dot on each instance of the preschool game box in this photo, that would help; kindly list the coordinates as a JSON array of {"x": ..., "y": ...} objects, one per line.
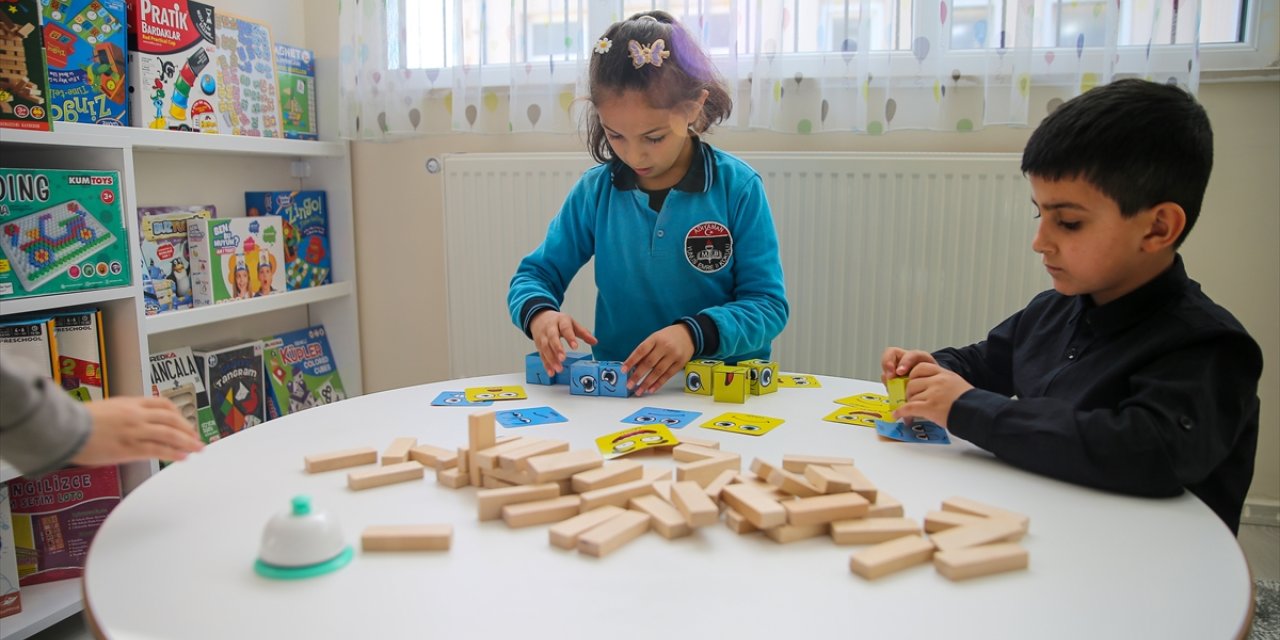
[
  {"x": 173, "y": 83},
  {"x": 166, "y": 260},
  {"x": 55, "y": 517},
  {"x": 85, "y": 46},
  {"x": 236, "y": 258},
  {"x": 82, "y": 354},
  {"x": 306, "y": 233},
  {"x": 233, "y": 379},
  {"x": 176, "y": 375},
  {"x": 301, "y": 372},
  {"x": 24, "y": 78},
  {"x": 60, "y": 231}
]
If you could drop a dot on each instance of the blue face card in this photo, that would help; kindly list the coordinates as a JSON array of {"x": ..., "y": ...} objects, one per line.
[
  {"x": 456, "y": 399},
  {"x": 529, "y": 417},
  {"x": 920, "y": 431},
  {"x": 671, "y": 418}
]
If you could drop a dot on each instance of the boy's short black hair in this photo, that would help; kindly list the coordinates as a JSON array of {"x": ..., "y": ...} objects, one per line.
[{"x": 1140, "y": 143}]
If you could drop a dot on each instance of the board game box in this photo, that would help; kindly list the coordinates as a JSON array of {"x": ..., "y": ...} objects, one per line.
[
  {"x": 55, "y": 518},
  {"x": 85, "y": 45},
  {"x": 244, "y": 60},
  {"x": 233, "y": 379},
  {"x": 306, "y": 233},
  {"x": 172, "y": 81},
  {"x": 10, "y": 596},
  {"x": 166, "y": 272},
  {"x": 296, "y": 70},
  {"x": 24, "y": 78},
  {"x": 301, "y": 372},
  {"x": 60, "y": 231},
  {"x": 176, "y": 376},
  {"x": 82, "y": 354},
  {"x": 30, "y": 343},
  {"x": 235, "y": 258}
]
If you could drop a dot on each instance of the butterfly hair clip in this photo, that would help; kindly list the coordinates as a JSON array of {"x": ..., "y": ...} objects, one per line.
[{"x": 652, "y": 54}]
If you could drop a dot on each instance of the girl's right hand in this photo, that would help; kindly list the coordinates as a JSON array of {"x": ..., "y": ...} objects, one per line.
[{"x": 550, "y": 329}]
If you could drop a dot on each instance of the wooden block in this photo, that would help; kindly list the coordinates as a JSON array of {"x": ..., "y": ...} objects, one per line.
[
  {"x": 738, "y": 523},
  {"x": 663, "y": 489},
  {"x": 505, "y": 439},
  {"x": 704, "y": 471},
  {"x": 889, "y": 557},
  {"x": 857, "y": 481},
  {"x": 692, "y": 501},
  {"x": 488, "y": 458},
  {"x": 935, "y": 521},
  {"x": 723, "y": 480},
  {"x": 762, "y": 469},
  {"x": 454, "y": 477},
  {"x": 398, "y": 451},
  {"x": 489, "y": 482},
  {"x": 664, "y": 518},
  {"x": 962, "y": 564},
  {"x": 709, "y": 444},
  {"x": 435, "y": 457},
  {"x": 827, "y": 480},
  {"x": 409, "y": 537},
  {"x": 525, "y": 514},
  {"x": 885, "y": 506},
  {"x": 608, "y": 475},
  {"x": 480, "y": 436},
  {"x": 565, "y": 534},
  {"x": 793, "y": 532},
  {"x": 792, "y": 483},
  {"x": 686, "y": 452},
  {"x": 617, "y": 495},
  {"x": 972, "y": 535},
  {"x": 491, "y": 501},
  {"x": 965, "y": 505},
  {"x": 391, "y": 474},
  {"x": 607, "y": 537},
  {"x": 561, "y": 466},
  {"x": 757, "y": 507},
  {"x": 872, "y": 530},
  {"x": 657, "y": 474},
  {"x": 340, "y": 459},
  {"x": 825, "y": 508},
  {"x": 566, "y": 486},
  {"x": 515, "y": 460},
  {"x": 512, "y": 477},
  {"x": 797, "y": 463}
]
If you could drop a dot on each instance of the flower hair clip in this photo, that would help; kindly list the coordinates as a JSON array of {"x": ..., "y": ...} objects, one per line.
[
  {"x": 652, "y": 54},
  {"x": 603, "y": 45}
]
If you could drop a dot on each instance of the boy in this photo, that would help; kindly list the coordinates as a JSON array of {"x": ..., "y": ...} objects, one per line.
[{"x": 1125, "y": 377}]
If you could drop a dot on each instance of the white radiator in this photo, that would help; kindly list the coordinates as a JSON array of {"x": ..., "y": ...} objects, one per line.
[{"x": 917, "y": 250}]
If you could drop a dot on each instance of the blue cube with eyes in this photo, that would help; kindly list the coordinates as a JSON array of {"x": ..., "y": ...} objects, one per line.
[
  {"x": 584, "y": 378},
  {"x": 534, "y": 372},
  {"x": 612, "y": 380},
  {"x": 569, "y": 359}
]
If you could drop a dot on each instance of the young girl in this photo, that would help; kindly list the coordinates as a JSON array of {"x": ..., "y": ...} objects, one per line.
[{"x": 686, "y": 254}]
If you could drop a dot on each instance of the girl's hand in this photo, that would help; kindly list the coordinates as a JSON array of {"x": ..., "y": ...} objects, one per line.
[
  {"x": 663, "y": 354},
  {"x": 550, "y": 329}
]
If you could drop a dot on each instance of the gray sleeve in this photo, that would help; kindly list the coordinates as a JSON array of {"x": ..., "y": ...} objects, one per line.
[{"x": 41, "y": 426}]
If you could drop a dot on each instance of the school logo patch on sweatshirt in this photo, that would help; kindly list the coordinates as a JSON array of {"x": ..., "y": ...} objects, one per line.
[{"x": 708, "y": 246}]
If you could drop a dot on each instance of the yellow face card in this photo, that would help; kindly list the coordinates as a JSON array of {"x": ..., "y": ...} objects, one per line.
[
  {"x": 480, "y": 394},
  {"x": 743, "y": 423},
  {"x": 859, "y": 416},
  {"x": 800, "y": 380},
  {"x": 635, "y": 439},
  {"x": 869, "y": 401}
]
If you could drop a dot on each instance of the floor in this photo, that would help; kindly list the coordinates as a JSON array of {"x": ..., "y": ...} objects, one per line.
[{"x": 1261, "y": 546}]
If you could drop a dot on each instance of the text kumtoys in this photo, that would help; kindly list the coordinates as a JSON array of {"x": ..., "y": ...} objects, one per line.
[
  {"x": 306, "y": 233},
  {"x": 171, "y": 78},
  {"x": 296, "y": 71},
  {"x": 24, "y": 80},
  {"x": 236, "y": 258},
  {"x": 166, "y": 260},
  {"x": 85, "y": 44},
  {"x": 60, "y": 231},
  {"x": 233, "y": 379},
  {"x": 301, "y": 372}
]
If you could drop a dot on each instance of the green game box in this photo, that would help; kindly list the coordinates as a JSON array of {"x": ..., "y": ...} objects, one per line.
[{"x": 61, "y": 231}]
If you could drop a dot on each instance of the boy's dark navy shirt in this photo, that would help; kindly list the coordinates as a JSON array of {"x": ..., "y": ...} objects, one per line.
[{"x": 1149, "y": 394}]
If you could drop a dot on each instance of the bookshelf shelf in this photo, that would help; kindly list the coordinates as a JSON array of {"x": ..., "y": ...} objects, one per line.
[
  {"x": 65, "y": 300},
  {"x": 43, "y": 605},
  {"x": 70, "y": 134},
  {"x": 231, "y": 310}
]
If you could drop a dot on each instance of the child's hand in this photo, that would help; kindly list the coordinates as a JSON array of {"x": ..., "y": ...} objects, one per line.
[
  {"x": 548, "y": 329},
  {"x": 662, "y": 355},
  {"x": 930, "y": 393},
  {"x": 136, "y": 428},
  {"x": 897, "y": 362}
]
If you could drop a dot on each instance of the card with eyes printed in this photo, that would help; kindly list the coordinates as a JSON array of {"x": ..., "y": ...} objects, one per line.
[
  {"x": 670, "y": 418},
  {"x": 529, "y": 417},
  {"x": 920, "y": 432},
  {"x": 457, "y": 399},
  {"x": 480, "y": 394},
  {"x": 743, "y": 423}
]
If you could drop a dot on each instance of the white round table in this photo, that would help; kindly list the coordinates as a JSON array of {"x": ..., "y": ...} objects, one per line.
[{"x": 175, "y": 558}]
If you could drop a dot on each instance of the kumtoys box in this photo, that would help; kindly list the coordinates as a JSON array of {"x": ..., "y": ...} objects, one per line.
[
  {"x": 31, "y": 344},
  {"x": 301, "y": 372},
  {"x": 10, "y": 596},
  {"x": 166, "y": 261},
  {"x": 176, "y": 376},
  {"x": 55, "y": 518},
  {"x": 82, "y": 354},
  {"x": 235, "y": 258},
  {"x": 85, "y": 44},
  {"x": 172, "y": 82},
  {"x": 24, "y": 78},
  {"x": 306, "y": 233},
  {"x": 296, "y": 70},
  {"x": 246, "y": 68},
  {"x": 232, "y": 377},
  {"x": 61, "y": 231}
]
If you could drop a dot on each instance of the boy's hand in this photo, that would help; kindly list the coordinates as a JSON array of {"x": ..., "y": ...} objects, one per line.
[
  {"x": 662, "y": 355},
  {"x": 930, "y": 393},
  {"x": 548, "y": 328},
  {"x": 136, "y": 428},
  {"x": 897, "y": 362}
]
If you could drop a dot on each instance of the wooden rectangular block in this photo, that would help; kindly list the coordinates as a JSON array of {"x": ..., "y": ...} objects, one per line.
[
  {"x": 408, "y": 537},
  {"x": 391, "y": 474},
  {"x": 827, "y": 480},
  {"x": 607, "y": 537},
  {"x": 793, "y": 532},
  {"x": 885, "y": 506},
  {"x": 792, "y": 483},
  {"x": 962, "y": 564},
  {"x": 723, "y": 480},
  {"x": 488, "y": 458},
  {"x": 664, "y": 518},
  {"x": 692, "y": 501},
  {"x": 491, "y": 501},
  {"x": 398, "y": 451},
  {"x": 663, "y": 489},
  {"x": 872, "y": 530},
  {"x": 737, "y": 522},
  {"x": 453, "y": 477},
  {"x": 972, "y": 535},
  {"x": 617, "y": 495},
  {"x": 657, "y": 474},
  {"x": 858, "y": 482},
  {"x": 437, "y": 458},
  {"x": 565, "y": 534},
  {"x": 704, "y": 471},
  {"x": 685, "y": 452},
  {"x": 825, "y": 508},
  {"x": 480, "y": 436},
  {"x": 796, "y": 463},
  {"x": 515, "y": 460},
  {"x": 890, "y": 557},
  {"x": 762, "y": 469},
  {"x": 965, "y": 505},
  {"x": 935, "y": 521},
  {"x": 709, "y": 444},
  {"x": 757, "y": 507},
  {"x": 610, "y": 474},
  {"x": 512, "y": 477},
  {"x": 489, "y": 482},
  {"x": 526, "y": 514},
  {"x": 340, "y": 459},
  {"x": 562, "y": 466}
]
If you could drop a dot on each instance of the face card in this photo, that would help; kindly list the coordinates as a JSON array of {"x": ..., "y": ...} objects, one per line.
[
  {"x": 670, "y": 418},
  {"x": 480, "y": 394},
  {"x": 798, "y": 380},
  {"x": 868, "y": 401},
  {"x": 635, "y": 439},
  {"x": 530, "y": 417},
  {"x": 920, "y": 432},
  {"x": 457, "y": 399},
  {"x": 743, "y": 423},
  {"x": 855, "y": 416}
]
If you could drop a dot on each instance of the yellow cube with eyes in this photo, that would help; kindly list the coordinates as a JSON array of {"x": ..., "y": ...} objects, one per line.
[
  {"x": 731, "y": 383},
  {"x": 697, "y": 376},
  {"x": 764, "y": 376}
]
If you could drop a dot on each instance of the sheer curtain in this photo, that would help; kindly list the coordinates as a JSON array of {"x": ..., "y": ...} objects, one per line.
[{"x": 801, "y": 66}]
